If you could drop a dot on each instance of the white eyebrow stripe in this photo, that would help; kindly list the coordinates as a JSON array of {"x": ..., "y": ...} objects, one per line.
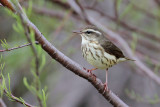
[{"x": 92, "y": 30}]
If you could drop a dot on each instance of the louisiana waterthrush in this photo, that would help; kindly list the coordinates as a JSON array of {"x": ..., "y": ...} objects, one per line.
[{"x": 99, "y": 51}]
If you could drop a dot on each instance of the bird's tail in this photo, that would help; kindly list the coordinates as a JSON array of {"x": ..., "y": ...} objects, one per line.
[
  {"x": 125, "y": 59},
  {"x": 129, "y": 59}
]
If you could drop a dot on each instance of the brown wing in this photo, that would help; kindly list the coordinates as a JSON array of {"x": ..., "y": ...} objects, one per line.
[{"x": 112, "y": 49}]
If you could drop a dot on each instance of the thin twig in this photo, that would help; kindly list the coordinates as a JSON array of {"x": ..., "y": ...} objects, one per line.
[
  {"x": 45, "y": 11},
  {"x": 7, "y": 4},
  {"x": 142, "y": 42},
  {"x": 129, "y": 27},
  {"x": 19, "y": 101},
  {"x": 61, "y": 25},
  {"x": 36, "y": 59},
  {"x": 59, "y": 2},
  {"x": 157, "y": 2},
  {"x": 116, "y": 12},
  {"x": 10, "y": 49},
  {"x": 94, "y": 3},
  {"x": 122, "y": 23},
  {"x": 2, "y": 104},
  {"x": 82, "y": 11},
  {"x": 49, "y": 12},
  {"x": 144, "y": 11}
]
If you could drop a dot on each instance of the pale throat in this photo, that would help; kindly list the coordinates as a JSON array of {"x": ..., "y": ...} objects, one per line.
[{"x": 87, "y": 40}]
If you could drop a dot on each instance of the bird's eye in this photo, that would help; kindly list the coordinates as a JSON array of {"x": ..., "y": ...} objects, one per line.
[{"x": 88, "y": 32}]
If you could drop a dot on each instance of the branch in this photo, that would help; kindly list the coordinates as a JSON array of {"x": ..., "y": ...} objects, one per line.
[
  {"x": 68, "y": 63},
  {"x": 129, "y": 27},
  {"x": 2, "y": 104},
  {"x": 82, "y": 12},
  {"x": 143, "y": 11},
  {"x": 17, "y": 100},
  {"x": 59, "y": 2},
  {"x": 116, "y": 11},
  {"x": 45, "y": 11},
  {"x": 17, "y": 47},
  {"x": 125, "y": 47},
  {"x": 142, "y": 42},
  {"x": 36, "y": 59},
  {"x": 49, "y": 12},
  {"x": 157, "y": 2},
  {"x": 122, "y": 23},
  {"x": 7, "y": 4}
]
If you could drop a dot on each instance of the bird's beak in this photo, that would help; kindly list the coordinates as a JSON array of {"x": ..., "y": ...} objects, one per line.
[{"x": 77, "y": 32}]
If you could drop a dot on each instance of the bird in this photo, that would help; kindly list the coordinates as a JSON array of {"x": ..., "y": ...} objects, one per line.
[{"x": 99, "y": 51}]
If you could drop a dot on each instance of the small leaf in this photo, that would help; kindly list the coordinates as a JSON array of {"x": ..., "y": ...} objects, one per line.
[
  {"x": 22, "y": 101},
  {"x": 134, "y": 42},
  {"x": 9, "y": 80},
  {"x": 44, "y": 98},
  {"x": 4, "y": 44},
  {"x": 29, "y": 10},
  {"x": 29, "y": 87},
  {"x": 43, "y": 62},
  {"x": 118, "y": 4}
]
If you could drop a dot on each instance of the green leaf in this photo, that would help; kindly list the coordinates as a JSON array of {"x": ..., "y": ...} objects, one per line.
[
  {"x": 43, "y": 62},
  {"x": 2, "y": 67},
  {"x": 9, "y": 80},
  {"x": 134, "y": 42},
  {"x": 32, "y": 36},
  {"x": 22, "y": 101},
  {"x": 33, "y": 72},
  {"x": 29, "y": 10},
  {"x": 26, "y": 83},
  {"x": 118, "y": 4},
  {"x": 156, "y": 68},
  {"x": 44, "y": 98},
  {"x": 2, "y": 85},
  {"x": 29, "y": 87},
  {"x": 4, "y": 44},
  {"x": 39, "y": 50},
  {"x": 1, "y": 58},
  {"x": 15, "y": 28}
]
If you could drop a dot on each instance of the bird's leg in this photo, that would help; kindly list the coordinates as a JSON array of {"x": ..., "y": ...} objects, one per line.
[
  {"x": 106, "y": 83},
  {"x": 90, "y": 71}
]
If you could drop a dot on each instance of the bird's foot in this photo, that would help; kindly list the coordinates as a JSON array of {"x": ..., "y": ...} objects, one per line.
[
  {"x": 90, "y": 71},
  {"x": 105, "y": 88}
]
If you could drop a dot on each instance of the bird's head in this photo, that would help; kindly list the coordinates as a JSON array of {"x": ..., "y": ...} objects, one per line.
[{"x": 90, "y": 33}]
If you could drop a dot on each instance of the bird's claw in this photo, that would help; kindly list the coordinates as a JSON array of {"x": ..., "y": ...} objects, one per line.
[
  {"x": 105, "y": 88},
  {"x": 90, "y": 71},
  {"x": 92, "y": 74}
]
